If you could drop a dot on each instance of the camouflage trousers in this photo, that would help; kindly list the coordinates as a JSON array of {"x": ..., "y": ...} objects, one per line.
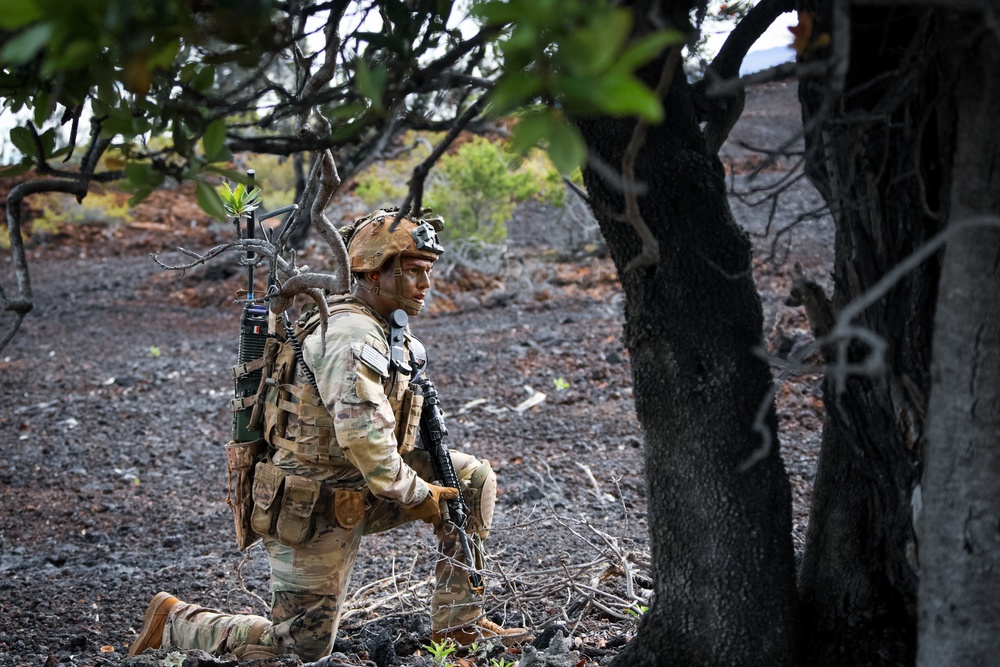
[{"x": 309, "y": 583}]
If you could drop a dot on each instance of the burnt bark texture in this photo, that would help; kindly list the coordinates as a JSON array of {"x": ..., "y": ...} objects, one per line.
[
  {"x": 959, "y": 605},
  {"x": 720, "y": 533},
  {"x": 879, "y": 146}
]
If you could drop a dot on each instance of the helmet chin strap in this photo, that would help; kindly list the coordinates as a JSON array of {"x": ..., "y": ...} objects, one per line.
[{"x": 411, "y": 306}]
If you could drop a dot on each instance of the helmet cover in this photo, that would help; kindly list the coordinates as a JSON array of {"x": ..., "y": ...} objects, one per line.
[{"x": 373, "y": 241}]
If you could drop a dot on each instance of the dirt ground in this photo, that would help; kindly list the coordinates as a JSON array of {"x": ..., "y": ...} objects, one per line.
[{"x": 114, "y": 412}]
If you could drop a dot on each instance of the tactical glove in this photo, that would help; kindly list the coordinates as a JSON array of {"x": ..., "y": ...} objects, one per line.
[{"x": 429, "y": 509}]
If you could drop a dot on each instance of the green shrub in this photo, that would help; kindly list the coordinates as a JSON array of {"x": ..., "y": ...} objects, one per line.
[
  {"x": 475, "y": 187},
  {"x": 378, "y": 188},
  {"x": 476, "y": 190},
  {"x": 276, "y": 176}
]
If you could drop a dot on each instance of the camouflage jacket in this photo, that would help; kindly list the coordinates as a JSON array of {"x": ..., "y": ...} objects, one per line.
[{"x": 374, "y": 413}]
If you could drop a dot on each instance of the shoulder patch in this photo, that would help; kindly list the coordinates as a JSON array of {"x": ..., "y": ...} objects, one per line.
[
  {"x": 373, "y": 359},
  {"x": 380, "y": 345}
]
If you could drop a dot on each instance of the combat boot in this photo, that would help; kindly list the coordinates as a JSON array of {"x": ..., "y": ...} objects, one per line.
[
  {"x": 153, "y": 623},
  {"x": 483, "y": 630}
]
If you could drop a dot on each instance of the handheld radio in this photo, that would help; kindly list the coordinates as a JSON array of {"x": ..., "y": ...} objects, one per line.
[{"x": 253, "y": 337}]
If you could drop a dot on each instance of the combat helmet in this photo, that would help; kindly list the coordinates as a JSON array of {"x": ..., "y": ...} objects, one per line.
[{"x": 378, "y": 238}]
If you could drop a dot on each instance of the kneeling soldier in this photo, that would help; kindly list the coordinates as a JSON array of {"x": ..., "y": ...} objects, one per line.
[{"x": 341, "y": 464}]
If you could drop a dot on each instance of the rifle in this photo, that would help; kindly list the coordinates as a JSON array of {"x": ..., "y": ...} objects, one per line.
[{"x": 432, "y": 433}]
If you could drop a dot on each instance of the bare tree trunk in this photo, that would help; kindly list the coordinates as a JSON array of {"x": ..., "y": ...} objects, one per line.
[
  {"x": 959, "y": 602},
  {"x": 878, "y": 151},
  {"x": 720, "y": 533},
  {"x": 298, "y": 238}
]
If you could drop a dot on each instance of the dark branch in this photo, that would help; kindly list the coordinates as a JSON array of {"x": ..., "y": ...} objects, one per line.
[
  {"x": 416, "y": 193},
  {"x": 720, "y": 113}
]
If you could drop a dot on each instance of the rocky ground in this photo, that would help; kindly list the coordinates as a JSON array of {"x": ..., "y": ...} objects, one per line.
[{"x": 114, "y": 411}]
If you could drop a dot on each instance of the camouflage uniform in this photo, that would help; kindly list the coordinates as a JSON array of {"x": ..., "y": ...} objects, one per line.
[{"x": 365, "y": 457}]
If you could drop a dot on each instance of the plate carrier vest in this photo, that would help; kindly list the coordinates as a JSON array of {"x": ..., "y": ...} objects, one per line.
[{"x": 290, "y": 412}]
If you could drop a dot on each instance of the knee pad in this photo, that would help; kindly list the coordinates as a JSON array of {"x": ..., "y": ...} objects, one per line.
[{"x": 482, "y": 498}]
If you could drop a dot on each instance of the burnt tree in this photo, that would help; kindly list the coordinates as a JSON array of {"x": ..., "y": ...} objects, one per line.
[
  {"x": 901, "y": 143},
  {"x": 959, "y": 534},
  {"x": 720, "y": 525},
  {"x": 877, "y": 142}
]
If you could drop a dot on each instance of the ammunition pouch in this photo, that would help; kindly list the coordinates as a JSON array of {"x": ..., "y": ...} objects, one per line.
[
  {"x": 408, "y": 420},
  {"x": 295, "y": 522},
  {"x": 286, "y": 506},
  {"x": 348, "y": 507},
  {"x": 267, "y": 483}
]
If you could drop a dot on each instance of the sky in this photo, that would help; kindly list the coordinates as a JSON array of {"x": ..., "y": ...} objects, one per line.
[{"x": 773, "y": 47}]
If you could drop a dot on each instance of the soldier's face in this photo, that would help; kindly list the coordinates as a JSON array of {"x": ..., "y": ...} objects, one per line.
[
  {"x": 416, "y": 277},
  {"x": 416, "y": 281}
]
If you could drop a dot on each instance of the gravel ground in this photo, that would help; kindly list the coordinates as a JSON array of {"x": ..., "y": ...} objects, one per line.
[{"x": 113, "y": 481}]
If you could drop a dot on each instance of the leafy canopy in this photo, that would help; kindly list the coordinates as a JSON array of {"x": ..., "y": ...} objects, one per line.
[
  {"x": 578, "y": 56},
  {"x": 170, "y": 89}
]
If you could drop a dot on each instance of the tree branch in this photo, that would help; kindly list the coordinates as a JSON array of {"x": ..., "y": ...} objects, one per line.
[
  {"x": 650, "y": 252},
  {"x": 721, "y": 112},
  {"x": 420, "y": 172}
]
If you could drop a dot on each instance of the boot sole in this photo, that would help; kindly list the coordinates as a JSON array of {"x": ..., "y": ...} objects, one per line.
[{"x": 467, "y": 639}]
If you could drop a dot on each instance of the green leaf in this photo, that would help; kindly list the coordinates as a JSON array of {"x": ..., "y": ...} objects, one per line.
[
  {"x": 627, "y": 96},
  {"x": 77, "y": 51},
  {"x": 238, "y": 202},
  {"x": 540, "y": 13},
  {"x": 164, "y": 57},
  {"x": 17, "y": 13},
  {"x": 214, "y": 140},
  {"x": 566, "y": 148},
  {"x": 383, "y": 41},
  {"x": 142, "y": 175},
  {"x": 643, "y": 50},
  {"x": 524, "y": 39},
  {"x": 187, "y": 73},
  {"x": 593, "y": 48},
  {"x": 15, "y": 169},
  {"x": 204, "y": 79},
  {"x": 139, "y": 196},
  {"x": 513, "y": 89},
  {"x": 371, "y": 81},
  {"x": 580, "y": 92},
  {"x": 42, "y": 108},
  {"x": 181, "y": 140},
  {"x": 496, "y": 12},
  {"x": 48, "y": 141},
  {"x": 23, "y": 47},
  {"x": 345, "y": 131},
  {"x": 209, "y": 200},
  {"x": 530, "y": 130},
  {"x": 344, "y": 111},
  {"x": 23, "y": 141},
  {"x": 117, "y": 122}
]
